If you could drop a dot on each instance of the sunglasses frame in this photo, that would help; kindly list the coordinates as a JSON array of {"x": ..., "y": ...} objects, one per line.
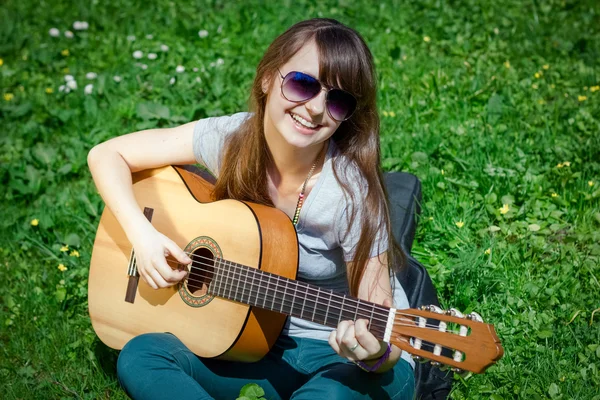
[{"x": 323, "y": 87}]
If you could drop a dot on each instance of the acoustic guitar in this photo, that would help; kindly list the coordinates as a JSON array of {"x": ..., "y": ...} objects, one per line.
[{"x": 240, "y": 287}]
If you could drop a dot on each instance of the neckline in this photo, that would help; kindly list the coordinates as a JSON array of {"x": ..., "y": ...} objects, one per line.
[{"x": 313, "y": 192}]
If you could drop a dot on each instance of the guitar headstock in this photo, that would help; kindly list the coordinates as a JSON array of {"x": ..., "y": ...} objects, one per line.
[{"x": 463, "y": 342}]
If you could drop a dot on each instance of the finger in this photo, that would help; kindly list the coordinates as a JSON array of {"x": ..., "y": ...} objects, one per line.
[
  {"x": 366, "y": 339},
  {"x": 387, "y": 303},
  {"x": 176, "y": 252},
  {"x": 333, "y": 342},
  {"x": 350, "y": 346},
  {"x": 168, "y": 274},
  {"x": 147, "y": 278},
  {"x": 341, "y": 330},
  {"x": 158, "y": 279}
]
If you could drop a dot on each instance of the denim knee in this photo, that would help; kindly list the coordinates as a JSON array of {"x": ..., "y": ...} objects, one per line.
[{"x": 139, "y": 351}]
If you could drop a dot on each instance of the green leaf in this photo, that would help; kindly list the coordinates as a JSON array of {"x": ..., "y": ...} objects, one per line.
[
  {"x": 152, "y": 111},
  {"x": 60, "y": 294},
  {"x": 252, "y": 391},
  {"x": 534, "y": 227},
  {"x": 73, "y": 240},
  {"x": 545, "y": 334},
  {"x": 419, "y": 157},
  {"x": 554, "y": 390}
]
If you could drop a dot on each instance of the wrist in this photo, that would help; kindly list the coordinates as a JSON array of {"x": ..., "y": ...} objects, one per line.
[{"x": 374, "y": 364}]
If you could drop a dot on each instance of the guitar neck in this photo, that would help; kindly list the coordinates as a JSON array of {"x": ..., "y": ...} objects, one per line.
[{"x": 261, "y": 289}]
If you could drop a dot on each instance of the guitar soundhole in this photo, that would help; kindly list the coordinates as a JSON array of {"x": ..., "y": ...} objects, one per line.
[{"x": 201, "y": 271}]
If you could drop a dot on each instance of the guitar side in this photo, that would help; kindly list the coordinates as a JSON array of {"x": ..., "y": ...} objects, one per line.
[{"x": 257, "y": 236}]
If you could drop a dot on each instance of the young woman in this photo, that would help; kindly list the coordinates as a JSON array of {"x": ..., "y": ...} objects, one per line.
[{"x": 310, "y": 147}]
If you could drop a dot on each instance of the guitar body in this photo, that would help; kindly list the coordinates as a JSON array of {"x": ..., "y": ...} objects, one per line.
[{"x": 177, "y": 202}]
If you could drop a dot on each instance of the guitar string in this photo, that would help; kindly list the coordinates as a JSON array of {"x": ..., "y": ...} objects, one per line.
[
  {"x": 381, "y": 329},
  {"x": 382, "y": 310},
  {"x": 237, "y": 275}
]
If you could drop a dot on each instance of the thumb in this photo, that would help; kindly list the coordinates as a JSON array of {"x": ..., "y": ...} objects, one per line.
[
  {"x": 387, "y": 303},
  {"x": 176, "y": 252}
]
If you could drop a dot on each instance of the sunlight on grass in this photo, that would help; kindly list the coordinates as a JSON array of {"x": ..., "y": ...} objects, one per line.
[{"x": 495, "y": 108}]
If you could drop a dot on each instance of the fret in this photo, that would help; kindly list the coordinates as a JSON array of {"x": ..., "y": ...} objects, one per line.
[
  {"x": 316, "y": 302},
  {"x": 303, "y": 303},
  {"x": 260, "y": 275},
  {"x": 371, "y": 318},
  {"x": 244, "y": 287},
  {"x": 294, "y": 299},
  {"x": 266, "y": 291},
  {"x": 327, "y": 309},
  {"x": 283, "y": 298},
  {"x": 251, "y": 285},
  {"x": 275, "y": 292},
  {"x": 232, "y": 279},
  {"x": 356, "y": 310},
  {"x": 341, "y": 310}
]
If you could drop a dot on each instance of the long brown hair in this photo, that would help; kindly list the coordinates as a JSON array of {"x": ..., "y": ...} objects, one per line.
[{"x": 345, "y": 61}]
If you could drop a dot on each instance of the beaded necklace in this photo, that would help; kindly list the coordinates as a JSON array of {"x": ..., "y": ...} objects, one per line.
[{"x": 301, "y": 196}]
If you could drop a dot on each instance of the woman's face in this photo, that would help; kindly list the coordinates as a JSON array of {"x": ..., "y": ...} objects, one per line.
[{"x": 300, "y": 124}]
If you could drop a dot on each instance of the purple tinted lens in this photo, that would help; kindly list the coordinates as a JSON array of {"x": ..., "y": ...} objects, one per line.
[
  {"x": 300, "y": 87},
  {"x": 340, "y": 104}
]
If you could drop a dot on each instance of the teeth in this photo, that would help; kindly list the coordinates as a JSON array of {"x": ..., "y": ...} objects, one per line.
[{"x": 304, "y": 122}]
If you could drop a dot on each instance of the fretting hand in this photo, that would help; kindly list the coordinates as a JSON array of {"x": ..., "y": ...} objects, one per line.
[{"x": 352, "y": 340}]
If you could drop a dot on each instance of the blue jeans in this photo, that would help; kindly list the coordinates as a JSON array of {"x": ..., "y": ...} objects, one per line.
[{"x": 160, "y": 366}]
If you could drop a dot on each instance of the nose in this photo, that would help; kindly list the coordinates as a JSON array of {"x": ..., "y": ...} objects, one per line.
[{"x": 316, "y": 105}]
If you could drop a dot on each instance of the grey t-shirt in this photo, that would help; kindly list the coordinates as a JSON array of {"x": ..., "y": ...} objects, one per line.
[{"x": 324, "y": 244}]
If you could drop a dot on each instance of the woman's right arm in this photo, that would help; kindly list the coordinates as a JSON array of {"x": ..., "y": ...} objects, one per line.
[{"x": 111, "y": 164}]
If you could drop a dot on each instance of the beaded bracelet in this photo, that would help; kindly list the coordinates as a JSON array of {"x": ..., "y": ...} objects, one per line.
[{"x": 375, "y": 367}]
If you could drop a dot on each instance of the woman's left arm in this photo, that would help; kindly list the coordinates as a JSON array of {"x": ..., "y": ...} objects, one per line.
[{"x": 352, "y": 339}]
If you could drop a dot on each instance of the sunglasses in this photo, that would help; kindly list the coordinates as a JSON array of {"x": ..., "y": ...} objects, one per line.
[{"x": 298, "y": 87}]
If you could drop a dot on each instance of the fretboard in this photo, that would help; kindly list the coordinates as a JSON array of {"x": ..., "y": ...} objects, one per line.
[{"x": 261, "y": 289}]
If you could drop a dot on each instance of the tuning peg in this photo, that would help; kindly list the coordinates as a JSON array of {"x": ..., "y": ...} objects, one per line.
[
  {"x": 457, "y": 370},
  {"x": 475, "y": 317},
  {"x": 417, "y": 358},
  {"x": 425, "y": 308},
  {"x": 435, "y": 309},
  {"x": 455, "y": 313},
  {"x": 435, "y": 364}
]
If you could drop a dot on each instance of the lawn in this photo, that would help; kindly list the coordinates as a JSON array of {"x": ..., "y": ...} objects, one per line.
[{"x": 495, "y": 106}]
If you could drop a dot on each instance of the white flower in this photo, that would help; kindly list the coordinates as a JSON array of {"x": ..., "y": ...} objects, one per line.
[
  {"x": 138, "y": 54},
  {"x": 220, "y": 28},
  {"x": 152, "y": 56},
  {"x": 117, "y": 78},
  {"x": 198, "y": 79},
  {"x": 67, "y": 89},
  {"x": 131, "y": 38},
  {"x": 54, "y": 32},
  {"x": 180, "y": 69},
  {"x": 150, "y": 36},
  {"x": 69, "y": 78},
  {"x": 72, "y": 85},
  {"x": 80, "y": 25},
  {"x": 220, "y": 61},
  {"x": 195, "y": 69},
  {"x": 164, "y": 47},
  {"x": 203, "y": 33},
  {"x": 88, "y": 88},
  {"x": 61, "y": 88},
  {"x": 69, "y": 34},
  {"x": 172, "y": 81},
  {"x": 143, "y": 66},
  {"x": 91, "y": 75}
]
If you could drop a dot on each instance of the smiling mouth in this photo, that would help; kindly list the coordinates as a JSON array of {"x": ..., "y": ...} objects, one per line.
[{"x": 303, "y": 122}]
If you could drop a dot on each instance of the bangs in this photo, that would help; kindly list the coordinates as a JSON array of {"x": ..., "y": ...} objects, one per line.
[{"x": 343, "y": 62}]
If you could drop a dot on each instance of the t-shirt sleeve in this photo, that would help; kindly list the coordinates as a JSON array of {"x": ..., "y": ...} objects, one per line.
[
  {"x": 209, "y": 138},
  {"x": 348, "y": 239}
]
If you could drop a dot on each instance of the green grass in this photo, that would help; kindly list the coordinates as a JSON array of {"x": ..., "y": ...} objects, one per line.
[{"x": 483, "y": 101}]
